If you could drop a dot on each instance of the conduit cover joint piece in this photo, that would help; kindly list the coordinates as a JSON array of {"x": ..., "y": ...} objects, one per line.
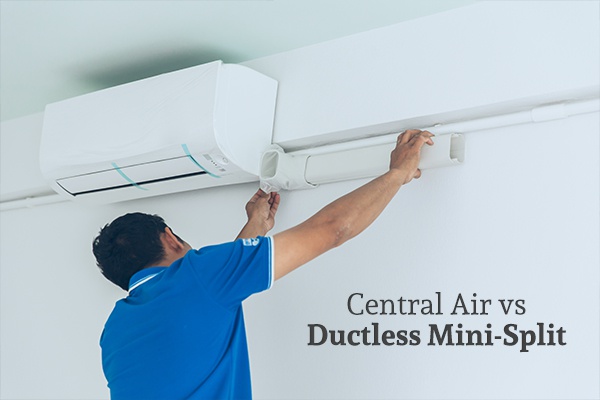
[{"x": 282, "y": 171}]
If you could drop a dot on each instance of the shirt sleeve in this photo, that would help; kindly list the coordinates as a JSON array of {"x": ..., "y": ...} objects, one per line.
[{"x": 231, "y": 272}]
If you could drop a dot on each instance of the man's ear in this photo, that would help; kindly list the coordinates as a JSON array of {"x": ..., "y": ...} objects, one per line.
[{"x": 171, "y": 240}]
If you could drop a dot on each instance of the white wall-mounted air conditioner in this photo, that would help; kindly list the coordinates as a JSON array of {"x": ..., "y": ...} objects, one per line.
[{"x": 194, "y": 128}]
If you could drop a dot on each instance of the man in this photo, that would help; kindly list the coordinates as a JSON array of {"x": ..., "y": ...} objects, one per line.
[{"x": 180, "y": 331}]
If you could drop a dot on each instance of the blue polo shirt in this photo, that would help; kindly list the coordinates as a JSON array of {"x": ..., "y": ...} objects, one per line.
[{"x": 180, "y": 333}]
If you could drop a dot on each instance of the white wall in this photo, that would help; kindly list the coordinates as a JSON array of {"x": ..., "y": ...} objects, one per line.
[
  {"x": 20, "y": 174},
  {"x": 520, "y": 219},
  {"x": 491, "y": 57}
]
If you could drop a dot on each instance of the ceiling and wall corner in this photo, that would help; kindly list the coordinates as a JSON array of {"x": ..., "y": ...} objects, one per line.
[{"x": 53, "y": 50}]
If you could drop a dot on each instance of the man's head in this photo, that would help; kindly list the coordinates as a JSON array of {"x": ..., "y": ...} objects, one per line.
[{"x": 133, "y": 242}]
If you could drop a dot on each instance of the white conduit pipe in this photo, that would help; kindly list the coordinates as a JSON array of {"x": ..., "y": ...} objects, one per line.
[
  {"x": 30, "y": 202},
  {"x": 538, "y": 114}
]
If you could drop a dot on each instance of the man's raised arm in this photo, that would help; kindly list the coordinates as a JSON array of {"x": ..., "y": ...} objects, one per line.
[{"x": 349, "y": 215}]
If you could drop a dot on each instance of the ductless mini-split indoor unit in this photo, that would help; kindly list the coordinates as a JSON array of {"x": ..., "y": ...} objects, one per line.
[{"x": 194, "y": 128}]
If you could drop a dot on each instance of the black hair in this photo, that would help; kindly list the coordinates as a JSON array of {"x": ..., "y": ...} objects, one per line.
[{"x": 127, "y": 245}]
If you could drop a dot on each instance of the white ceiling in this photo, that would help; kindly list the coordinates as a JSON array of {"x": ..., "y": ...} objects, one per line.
[{"x": 52, "y": 50}]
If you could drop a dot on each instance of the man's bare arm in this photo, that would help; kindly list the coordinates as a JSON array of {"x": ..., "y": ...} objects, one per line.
[
  {"x": 261, "y": 210},
  {"x": 349, "y": 215}
]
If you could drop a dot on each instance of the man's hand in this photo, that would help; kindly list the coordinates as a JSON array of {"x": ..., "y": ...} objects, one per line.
[
  {"x": 261, "y": 210},
  {"x": 406, "y": 155}
]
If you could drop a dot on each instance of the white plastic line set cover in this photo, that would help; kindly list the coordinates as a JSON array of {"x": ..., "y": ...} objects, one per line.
[
  {"x": 288, "y": 171},
  {"x": 537, "y": 114},
  {"x": 362, "y": 158}
]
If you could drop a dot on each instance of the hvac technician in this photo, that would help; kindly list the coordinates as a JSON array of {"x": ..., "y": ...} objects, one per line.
[{"x": 180, "y": 332}]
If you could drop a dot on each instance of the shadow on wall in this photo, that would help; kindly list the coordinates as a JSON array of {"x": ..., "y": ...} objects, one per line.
[{"x": 120, "y": 69}]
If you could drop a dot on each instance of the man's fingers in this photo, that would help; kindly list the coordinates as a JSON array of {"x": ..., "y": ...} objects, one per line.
[
  {"x": 424, "y": 134},
  {"x": 274, "y": 201},
  {"x": 422, "y": 137},
  {"x": 261, "y": 193},
  {"x": 407, "y": 135},
  {"x": 273, "y": 196},
  {"x": 413, "y": 134}
]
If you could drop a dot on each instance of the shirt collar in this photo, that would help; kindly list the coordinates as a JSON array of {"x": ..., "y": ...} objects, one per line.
[{"x": 144, "y": 276}]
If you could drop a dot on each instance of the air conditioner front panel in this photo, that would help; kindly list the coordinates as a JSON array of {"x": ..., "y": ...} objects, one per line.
[{"x": 194, "y": 128}]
